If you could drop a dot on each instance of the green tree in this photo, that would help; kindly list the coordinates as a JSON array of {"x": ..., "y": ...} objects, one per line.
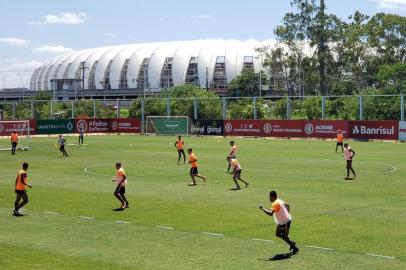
[{"x": 247, "y": 84}]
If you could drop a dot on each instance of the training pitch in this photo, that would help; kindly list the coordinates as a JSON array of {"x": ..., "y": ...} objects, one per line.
[{"x": 337, "y": 224}]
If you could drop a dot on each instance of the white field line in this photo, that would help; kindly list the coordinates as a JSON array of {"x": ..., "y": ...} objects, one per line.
[
  {"x": 51, "y": 213},
  {"x": 263, "y": 240},
  {"x": 86, "y": 170},
  {"x": 165, "y": 227},
  {"x": 394, "y": 169},
  {"x": 380, "y": 256},
  {"x": 122, "y": 222},
  {"x": 84, "y": 217},
  {"x": 323, "y": 248},
  {"x": 213, "y": 234}
]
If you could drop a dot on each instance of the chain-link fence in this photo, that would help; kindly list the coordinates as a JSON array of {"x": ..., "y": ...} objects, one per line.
[{"x": 378, "y": 107}]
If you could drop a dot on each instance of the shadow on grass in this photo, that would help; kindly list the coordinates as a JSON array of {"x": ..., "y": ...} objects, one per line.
[
  {"x": 278, "y": 257},
  {"x": 118, "y": 209}
]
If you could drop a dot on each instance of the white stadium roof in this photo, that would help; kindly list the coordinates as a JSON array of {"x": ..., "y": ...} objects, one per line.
[{"x": 153, "y": 65}]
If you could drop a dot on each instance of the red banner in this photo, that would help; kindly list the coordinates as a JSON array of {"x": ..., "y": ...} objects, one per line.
[
  {"x": 125, "y": 125},
  {"x": 282, "y": 128},
  {"x": 242, "y": 127},
  {"x": 7, "y": 127},
  {"x": 384, "y": 130},
  {"x": 92, "y": 125},
  {"x": 325, "y": 128}
]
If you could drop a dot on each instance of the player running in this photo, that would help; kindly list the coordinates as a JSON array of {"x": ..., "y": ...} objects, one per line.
[
  {"x": 237, "y": 174},
  {"x": 340, "y": 139},
  {"x": 20, "y": 186},
  {"x": 232, "y": 154},
  {"x": 280, "y": 212},
  {"x": 121, "y": 180},
  {"x": 179, "y": 144},
  {"x": 349, "y": 155},
  {"x": 193, "y": 168},
  {"x": 14, "y": 141},
  {"x": 62, "y": 142}
]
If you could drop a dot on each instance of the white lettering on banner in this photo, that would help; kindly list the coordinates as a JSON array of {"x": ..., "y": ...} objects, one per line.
[
  {"x": 364, "y": 130},
  {"x": 213, "y": 130},
  {"x": 197, "y": 129}
]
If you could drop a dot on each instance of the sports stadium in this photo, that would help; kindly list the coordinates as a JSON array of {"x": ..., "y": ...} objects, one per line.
[{"x": 154, "y": 66}]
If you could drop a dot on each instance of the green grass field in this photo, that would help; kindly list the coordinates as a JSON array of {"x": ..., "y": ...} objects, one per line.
[{"x": 351, "y": 219}]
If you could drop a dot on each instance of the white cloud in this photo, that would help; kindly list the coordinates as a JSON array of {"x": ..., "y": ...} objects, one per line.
[
  {"x": 201, "y": 16},
  {"x": 55, "y": 49},
  {"x": 110, "y": 34},
  {"x": 16, "y": 72},
  {"x": 391, "y": 4},
  {"x": 63, "y": 18},
  {"x": 15, "y": 41}
]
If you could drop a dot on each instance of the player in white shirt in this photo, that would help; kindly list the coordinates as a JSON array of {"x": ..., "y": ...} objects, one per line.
[
  {"x": 349, "y": 155},
  {"x": 280, "y": 212}
]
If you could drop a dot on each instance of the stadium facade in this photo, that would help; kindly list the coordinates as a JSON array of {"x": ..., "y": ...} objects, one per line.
[{"x": 150, "y": 66}]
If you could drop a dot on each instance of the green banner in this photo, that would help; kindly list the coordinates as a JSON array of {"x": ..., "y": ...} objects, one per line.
[{"x": 55, "y": 126}]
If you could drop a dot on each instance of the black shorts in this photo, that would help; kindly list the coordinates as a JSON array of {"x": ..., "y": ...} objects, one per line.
[
  {"x": 238, "y": 172},
  {"x": 20, "y": 192},
  {"x": 120, "y": 190},
  {"x": 194, "y": 171},
  {"x": 284, "y": 227},
  {"x": 339, "y": 143},
  {"x": 181, "y": 151},
  {"x": 349, "y": 163},
  {"x": 62, "y": 147},
  {"x": 14, "y": 144}
]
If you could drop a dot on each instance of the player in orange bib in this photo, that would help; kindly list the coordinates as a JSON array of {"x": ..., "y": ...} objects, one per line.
[
  {"x": 237, "y": 174},
  {"x": 232, "y": 154},
  {"x": 121, "y": 180},
  {"x": 179, "y": 144},
  {"x": 280, "y": 212},
  {"x": 20, "y": 185},
  {"x": 193, "y": 168},
  {"x": 14, "y": 141},
  {"x": 340, "y": 140}
]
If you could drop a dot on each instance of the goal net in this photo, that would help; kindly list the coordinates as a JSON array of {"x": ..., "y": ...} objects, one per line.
[
  {"x": 164, "y": 125},
  {"x": 22, "y": 127}
]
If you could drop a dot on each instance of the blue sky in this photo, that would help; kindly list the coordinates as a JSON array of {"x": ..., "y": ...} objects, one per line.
[{"x": 32, "y": 31}]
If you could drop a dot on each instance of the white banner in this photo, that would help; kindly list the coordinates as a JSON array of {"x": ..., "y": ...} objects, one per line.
[{"x": 402, "y": 130}]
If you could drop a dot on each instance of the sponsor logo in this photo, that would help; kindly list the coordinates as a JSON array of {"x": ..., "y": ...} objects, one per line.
[
  {"x": 69, "y": 126},
  {"x": 267, "y": 128},
  {"x": 213, "y": 130},
  {"x": 364, "y": 130},
  {"x": 114, "y": 125},
  {"x": 228, "y": 127},
  {"x": 309, "y": 129},
  {"x": 81, "y": 125}
]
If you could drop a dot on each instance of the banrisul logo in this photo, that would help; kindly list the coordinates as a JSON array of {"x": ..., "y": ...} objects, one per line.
[{"x": 364, "y": 130}]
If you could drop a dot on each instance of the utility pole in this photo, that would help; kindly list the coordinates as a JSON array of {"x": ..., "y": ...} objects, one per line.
[{"x": 322, "y": 48}]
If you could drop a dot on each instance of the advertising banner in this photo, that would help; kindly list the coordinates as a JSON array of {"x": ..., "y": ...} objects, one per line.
[
  {"x": 55, "y": 126},
  {"x": 325, "y": 128},
  {"x": 92, "y": 125},
  {"x": 22, "y": 127},
  {"x": 282, "y": 128},
  {"x": 382, "y": 130},
  {"x": 242, "y": 128},
  {"x": 207, "y": 127},
  {"x": 125, "y": 125},
  {"x": 402, "y": 130}
]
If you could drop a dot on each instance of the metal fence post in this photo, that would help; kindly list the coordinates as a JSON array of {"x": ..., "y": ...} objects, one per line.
[
  {"x": 402, "y": 108},
  {"x": 118, "y": 108},
  {"x": 255, "y": 107},
  {"x": 361, "y": 108},
  {"x": 287, "y": 107},
  {"x": 51, "y": 109},
  {"x": 73, "y": 109},
  {"x": 14, "y": 110},
  {"x": 32, "y": 110},
  {"x": 323, "y": 107},
  {"x": 195, "y": 109},
  {"x": 94, "y": 108},
  {"x": 224, "y": 108},
  {"x": 142, "y": 116},
  {"x": 168, "y": 107}
]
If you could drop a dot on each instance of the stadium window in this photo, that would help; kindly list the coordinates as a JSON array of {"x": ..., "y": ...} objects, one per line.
[
  {"x": 166, "y": 73},
  {"x": 92, "y": 83},
  {"x": 123, "y": 75},
  {"x": 106, "y": 79},
  {"x": 142, "y": 78},
  {"x": 192, "y": 75},
  {"x": 219, "y": 81},
  {"x": 47, "y": 77},
  {"x": 65, "y": 73},
  {"x": 248, "y": 64}
]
